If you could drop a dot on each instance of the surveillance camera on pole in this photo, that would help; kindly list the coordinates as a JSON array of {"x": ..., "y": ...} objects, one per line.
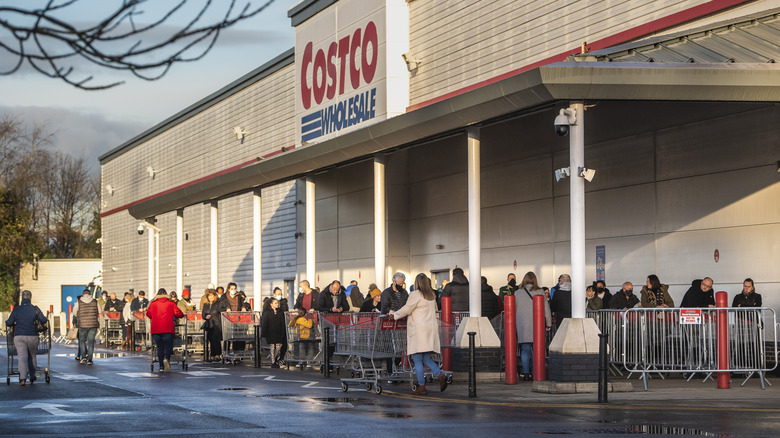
[{"x": 564, "y": 120}]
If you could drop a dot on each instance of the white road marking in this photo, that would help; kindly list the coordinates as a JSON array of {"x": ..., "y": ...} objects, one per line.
[
  {"x": 75, "y": 377},
  {"x": 51, "y": 408},
  {"x": 204, "y": 373},
  {"x": 139, "y": 375}
]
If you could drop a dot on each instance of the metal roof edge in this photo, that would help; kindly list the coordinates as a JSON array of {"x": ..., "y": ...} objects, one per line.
[
  {"x": 284, "y": 59},
  {"x": 307, "y": 9}
]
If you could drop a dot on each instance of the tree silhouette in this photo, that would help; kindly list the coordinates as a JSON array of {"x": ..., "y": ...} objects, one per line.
[{"x": 131, "y": 37}]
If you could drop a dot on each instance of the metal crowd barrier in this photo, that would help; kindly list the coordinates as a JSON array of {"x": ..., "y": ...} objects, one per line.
[{"x": 656, "y": 341}]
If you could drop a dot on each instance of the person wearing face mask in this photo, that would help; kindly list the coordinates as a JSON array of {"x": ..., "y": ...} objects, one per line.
[
  {"x": 307, "y": 297},
  {"x": 525, "y": 319},
  {"x": 232, "y": 301},
  {"x": 625, "y": 298},
  {"x": 279, "y": 296},
  {"x": 602, "y": 292}
]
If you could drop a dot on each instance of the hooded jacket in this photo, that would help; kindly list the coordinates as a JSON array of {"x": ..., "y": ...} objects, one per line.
[
  {"x": 489, "y": 302},
  {"x": 23, "y": 317},
  {"x": 355, "y": 297},
  {"x": 458, "y": 289},
  {"x": 163, "y": 313}
]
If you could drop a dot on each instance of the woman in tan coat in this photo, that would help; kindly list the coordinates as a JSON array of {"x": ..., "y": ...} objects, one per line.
[{"x": 422, "y": 331}]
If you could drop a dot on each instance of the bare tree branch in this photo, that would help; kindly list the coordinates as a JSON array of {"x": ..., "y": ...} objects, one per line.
[{"x": 51, "y": 45}]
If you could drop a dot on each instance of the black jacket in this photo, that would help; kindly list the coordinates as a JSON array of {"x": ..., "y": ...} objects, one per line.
[
  {"x": 224, "y": 305},
  {"x": 458, "y": 289},
  {"x": 326, "y": 302},
  {"x": 272, "y": 327},
  {"x": 368, "y": 305},
  {"x": 117, "y": 304},
  {"x": 390, "y": 302},
  {"x": 620, "y": 302},
  {"x": 315, "y": 297},
  {"x": 561, "y": 305},
  {"x": 606, "y": 298},
  {"x": 742, "y": 300},
  {"x": 213, "y": 310},
  {"x": 489, "y": 302},
  {"x": 138, "y": 304},
  {"x": 695, "y": 297}
]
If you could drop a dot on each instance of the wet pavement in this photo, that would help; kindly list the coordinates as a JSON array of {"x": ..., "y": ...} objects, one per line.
[{"x": 119, "y": 395}]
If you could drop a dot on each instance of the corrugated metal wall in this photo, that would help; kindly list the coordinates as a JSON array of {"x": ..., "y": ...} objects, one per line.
[{"x": 278, "y": 226}]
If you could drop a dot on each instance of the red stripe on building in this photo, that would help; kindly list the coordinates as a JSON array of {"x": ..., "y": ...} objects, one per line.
[
  {"x": 614, "y": 40},
  {"x": 193, "y": 182}
]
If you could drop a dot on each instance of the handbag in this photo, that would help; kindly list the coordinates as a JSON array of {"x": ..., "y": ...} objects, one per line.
[
  {"x": 40, "y": 326},
  {"x": 73, "y": 334},
  {"x": 206, "y": 325}
]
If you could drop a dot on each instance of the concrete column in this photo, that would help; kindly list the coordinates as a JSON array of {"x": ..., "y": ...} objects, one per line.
[
  {"x": 179, "y": 250},
  {"x": 577, "y": 211},
  {"x": 311, "y": 232},
  {"x": 151, "y": 276},
  {"x": 475, "y": 231},
  {"x": 380, "y": 223},
  {"x": 257, "y": 242},
  {"x": 157, "y": 260},
  {"x": 214, "y": 243}
]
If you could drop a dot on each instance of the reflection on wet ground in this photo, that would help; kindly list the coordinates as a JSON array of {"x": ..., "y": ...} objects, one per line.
[
  {"x": 639, "y": 429},
  {"x": 96, "y": 355}
]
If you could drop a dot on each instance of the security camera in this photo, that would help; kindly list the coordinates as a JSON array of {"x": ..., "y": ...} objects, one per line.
[
  {"x": 564, "y": 120},
  {"x": 562, "y": 125},
  {"x": 140, "y": 230}
]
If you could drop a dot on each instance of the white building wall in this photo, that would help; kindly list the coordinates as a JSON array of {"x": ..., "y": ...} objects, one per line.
[
  {"x": 124, "y": 254},
  {"x": 52, "y": 275},
  {"x": 235, "y": 242},
  {"x": 278, "y": 225},
  {"x": 462, "y": 43}
]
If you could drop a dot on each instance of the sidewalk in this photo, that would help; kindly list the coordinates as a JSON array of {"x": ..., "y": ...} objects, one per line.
[{"x": 674, "y": 391}]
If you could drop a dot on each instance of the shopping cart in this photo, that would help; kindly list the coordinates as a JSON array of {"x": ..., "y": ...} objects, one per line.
[
  {"x": 141, "y": 330},
  {"x": 343, "y": 344},
  {"x": 195, "y": 338},
  {"x": 112, "y": 328},
  {"x": 180, "y": 353},
  {"x": 44, "y": 348},
  {"x": 303, "y": 343},
  {"x": 333, "y": 322},
  {"x": 237, "y": 329}
]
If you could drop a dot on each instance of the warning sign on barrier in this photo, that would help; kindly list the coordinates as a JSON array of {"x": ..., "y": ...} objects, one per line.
[{"x": 690, "y": 316}]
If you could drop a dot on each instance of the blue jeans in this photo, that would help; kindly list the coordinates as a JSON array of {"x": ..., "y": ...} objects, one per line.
[
  {"x": 526, "y": 349},
  {"x": 87, "y": 342},
  {"x": 421, "y": 359},
  {"x": 164, "y": 342}
]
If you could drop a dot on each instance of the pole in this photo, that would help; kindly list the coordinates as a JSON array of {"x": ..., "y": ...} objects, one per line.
[
  {"x": 721, "y": 300},
  {"x": 326, "y": 343},
  {"x": 474, "y": 223},
  {"x": 257, "y": 346},
  {"x": 311, "y": 232},
  {"x": 70, "y": 312},
  {"x": 510, "y": 340},
  {"x": 379, "y": 219},
  {"x": 603, "y": 368},
  {"x": 540, "y": 345},
  {"x": 577, "y": 211},
  {"x": 252, "y": 303},
  {"x": 446, "y": 316},
  {"x": 472, "y": 366},
  {"x": 206, "y": 344}
]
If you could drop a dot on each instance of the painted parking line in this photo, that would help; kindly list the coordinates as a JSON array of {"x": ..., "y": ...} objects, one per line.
[
  {"x": 574, "y": 405},
  {"x": 75, "y": 377},
  {"x": 139, "y": 375}
]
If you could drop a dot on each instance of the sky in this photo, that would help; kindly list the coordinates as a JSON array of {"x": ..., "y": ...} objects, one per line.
[{"x": 91, "y": 123}]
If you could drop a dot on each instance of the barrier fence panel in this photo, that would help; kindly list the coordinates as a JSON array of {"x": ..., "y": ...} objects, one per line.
[{"x": 666, "y": 340}]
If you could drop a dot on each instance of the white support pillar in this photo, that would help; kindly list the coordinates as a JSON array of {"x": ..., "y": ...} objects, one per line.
[
  {"x": 475, "y": 231},
  {"x": 311, "y": 232},
  {"x": 157, "y": 260},
  {"x": 214, "y": 244},
  {"x": 380, "y": 222},
  {"x": 257, "y": 242},
  {"x": 577, "y": 211},
  {"x": 150, "y": 283},
  {"x": 180, "y": 250}
]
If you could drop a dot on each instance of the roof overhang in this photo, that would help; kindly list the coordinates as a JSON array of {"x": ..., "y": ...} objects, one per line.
[{"x": 542, "y": 86}]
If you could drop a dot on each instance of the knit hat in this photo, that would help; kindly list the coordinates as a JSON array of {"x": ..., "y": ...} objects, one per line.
[
  {"x": 185, "y": 293},
  {"x": 375, "y": 292}
]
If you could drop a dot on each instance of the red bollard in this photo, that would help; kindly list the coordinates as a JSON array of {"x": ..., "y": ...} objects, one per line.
[
  {"x": 510, "y": 340},
  {"x": 540, "y": 332},
  {"x": 51, "y": 308},
  {"x": 721, "y": 300},
  {"x": 70, "y": 310},
  {"x": 12, "y": 308},
  {"x": 252, "y": 303},
  {"x": 446, "y": 316}
]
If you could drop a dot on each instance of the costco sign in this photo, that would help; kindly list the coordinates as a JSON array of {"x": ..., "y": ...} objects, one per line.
[{"x": 343, "y": 73}]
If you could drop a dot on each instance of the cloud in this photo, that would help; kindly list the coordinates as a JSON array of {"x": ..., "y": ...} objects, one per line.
[{"x": 76, "y": 132}]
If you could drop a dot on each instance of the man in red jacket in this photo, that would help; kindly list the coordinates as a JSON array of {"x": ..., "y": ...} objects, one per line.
[{"x": 162, "y": 313}]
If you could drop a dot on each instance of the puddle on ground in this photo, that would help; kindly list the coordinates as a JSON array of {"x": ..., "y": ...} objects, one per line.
[
  {"x": 232, "y": 389},
  {"x": 639, "y": 429}
]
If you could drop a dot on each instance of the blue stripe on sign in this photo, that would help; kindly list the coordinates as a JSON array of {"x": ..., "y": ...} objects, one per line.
[
  {"x": 312, "y": 135},
  {"x": 313, "y": 125},
  {"x": 308, "y": 118}
]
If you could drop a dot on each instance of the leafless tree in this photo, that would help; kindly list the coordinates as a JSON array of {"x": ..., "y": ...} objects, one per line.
[{"x": 134, "y": 37}]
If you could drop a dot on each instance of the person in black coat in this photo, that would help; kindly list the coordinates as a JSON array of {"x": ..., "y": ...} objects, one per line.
[
  {"x": 489, "y": 300},
  {"x": 304, "y": 290},
  {"x": 602, "y": 292},
  {"x": 561, "y": 303},
  {"x": 333, "y": 299},
  {"x": 699, "y": 294},
  {"x": 373, "y": 302},
  {"x": 279, "y": 296},
  {"x": 624, "y": 298},
  {"x": 458, "y": 289},
  {"x": 213, "y": 325},
  {"x": 272, "y": 328},
  {"x": 395, "y": 296},
  {"x": 749, "y": 297}
]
